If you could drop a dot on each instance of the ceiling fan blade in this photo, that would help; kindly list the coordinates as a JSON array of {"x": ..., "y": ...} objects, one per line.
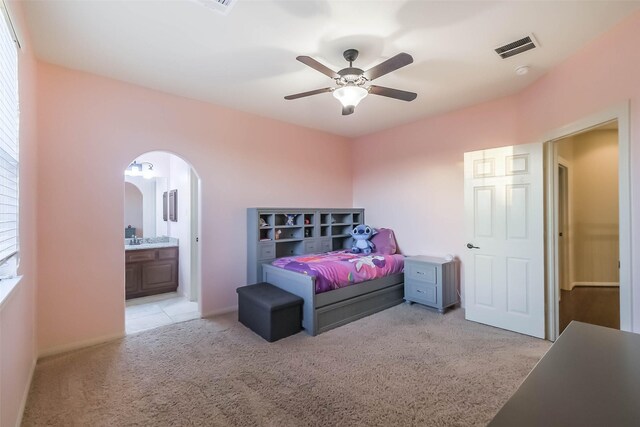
[
  {"x": 309, "y": 61},
  {"x": 391, "y": 64},
  {"x": 403, "y": 95},
  {"x": 311, "y": 92},
  {"x": 348, "y": 110}
]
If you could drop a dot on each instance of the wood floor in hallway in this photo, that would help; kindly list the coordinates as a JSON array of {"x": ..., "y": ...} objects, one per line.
[{"x": 595, "y": 305}]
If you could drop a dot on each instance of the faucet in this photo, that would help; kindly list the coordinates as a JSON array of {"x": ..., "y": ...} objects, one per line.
[{"x": 135, "y": 240}]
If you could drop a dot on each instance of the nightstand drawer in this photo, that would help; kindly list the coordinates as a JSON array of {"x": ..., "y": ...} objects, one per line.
[
  {"x": 266, "y": 250},
  {"x": 423, "y": 272},
  {"x": 424, "y": 293}
]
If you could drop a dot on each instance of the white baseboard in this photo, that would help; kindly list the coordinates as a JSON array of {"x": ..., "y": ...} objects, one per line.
[
  {"x": 79, "y": 344},
  {"x": 220, "y": 311},
  {"x": 25, "y": 395},
  {"x": 608, "y": 284}
]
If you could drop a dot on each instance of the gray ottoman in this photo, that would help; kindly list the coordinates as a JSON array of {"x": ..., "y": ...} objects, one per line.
[{"x": 269, "y": 311}]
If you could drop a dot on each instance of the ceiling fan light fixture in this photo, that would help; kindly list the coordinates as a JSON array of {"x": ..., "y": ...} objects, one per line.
[
  {"x": 351, "y": 81},
  {"x": 350, "y": 95}
]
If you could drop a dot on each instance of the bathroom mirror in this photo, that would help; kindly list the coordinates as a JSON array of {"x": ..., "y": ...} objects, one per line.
[{"x": 144, "y": 206}]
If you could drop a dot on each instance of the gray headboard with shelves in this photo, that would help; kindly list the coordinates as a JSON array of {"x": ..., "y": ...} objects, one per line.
[{"x": 270, "y": 236}]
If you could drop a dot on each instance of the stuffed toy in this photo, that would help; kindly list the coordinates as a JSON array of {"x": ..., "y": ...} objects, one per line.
[
  {"x": 290, "y": 219},
  {"x": 361, "y": 243}
]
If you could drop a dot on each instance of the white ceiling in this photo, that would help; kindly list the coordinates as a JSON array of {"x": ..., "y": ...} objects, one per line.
[{"x": 246, "y": 59}]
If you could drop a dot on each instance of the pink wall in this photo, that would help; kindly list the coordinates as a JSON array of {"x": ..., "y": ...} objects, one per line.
[
  {"x": 18, "y": 313},
  {"x": 90, "y": 128},
  {"x": 417, "y": 168}
]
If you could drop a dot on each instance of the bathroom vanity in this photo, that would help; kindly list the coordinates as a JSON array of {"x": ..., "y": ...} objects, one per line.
[{"x": 151, "y": 268}]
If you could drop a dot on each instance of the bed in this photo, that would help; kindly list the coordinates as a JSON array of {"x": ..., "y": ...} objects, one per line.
[{"x": 339, "y": 287}]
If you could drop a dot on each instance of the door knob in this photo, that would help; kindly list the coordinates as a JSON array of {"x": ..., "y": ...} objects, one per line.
[{"x": 470, "y": 246}]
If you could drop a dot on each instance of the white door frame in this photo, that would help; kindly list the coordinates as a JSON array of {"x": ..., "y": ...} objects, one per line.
[
  {"x": 621, "y": 114},
  {"x": 196, "y": 253},
  {"x": 566, "y": 255}
]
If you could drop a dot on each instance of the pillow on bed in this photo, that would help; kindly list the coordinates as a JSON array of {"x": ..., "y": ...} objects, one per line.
[{"x": 385, "y": 241}]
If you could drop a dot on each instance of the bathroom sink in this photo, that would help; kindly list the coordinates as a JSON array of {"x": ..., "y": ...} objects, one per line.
[{"x": 150, "y": 243}]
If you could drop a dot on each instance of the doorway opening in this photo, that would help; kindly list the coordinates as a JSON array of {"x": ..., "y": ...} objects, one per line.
[
  {"x": 601, "y": 246},
  {"x": 588, "y": 227},
  {"x": 161, "y": 243}
]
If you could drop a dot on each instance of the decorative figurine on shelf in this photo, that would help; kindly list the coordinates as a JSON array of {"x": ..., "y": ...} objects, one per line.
[
  {"x": 307, "y": 221},
  {"x": 307, "y": 232},
  {"x": 361, "y": 243},
  {"x": 263, "y": 223},
  {"x": 278, "y": 233},
  {"x": 290, "y": 219}
]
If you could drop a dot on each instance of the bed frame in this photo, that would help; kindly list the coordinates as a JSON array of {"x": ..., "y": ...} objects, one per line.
[{"x": 331, "y": 309}]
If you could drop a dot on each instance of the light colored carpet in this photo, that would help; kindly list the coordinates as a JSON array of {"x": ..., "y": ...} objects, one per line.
[{"x": 404, "y": 366}]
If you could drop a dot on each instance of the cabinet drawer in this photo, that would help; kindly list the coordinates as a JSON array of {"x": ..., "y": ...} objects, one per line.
[
  {"x": 424, "y": 293},
  {"x": 325, "y": 245},
  {"x": 310, "y": 246},
  {"x": 168, "y": 253},
  {"x": 138, "y": 256},
  {"x": 266, "y": 250},
  {"x": 423, "y": 272}
]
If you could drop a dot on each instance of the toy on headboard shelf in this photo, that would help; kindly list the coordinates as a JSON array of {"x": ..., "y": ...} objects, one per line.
[
  {"x": 290, "y": 219},
  {"x": 361, "y": 243}
]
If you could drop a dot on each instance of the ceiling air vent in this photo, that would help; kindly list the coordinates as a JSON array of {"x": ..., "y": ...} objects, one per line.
[
  {"x": 516, "y": 47},
  {"x": 222, "y": 6}
]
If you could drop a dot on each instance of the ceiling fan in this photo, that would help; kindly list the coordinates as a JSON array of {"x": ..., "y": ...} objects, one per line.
[{"x": 351, "y": 82}]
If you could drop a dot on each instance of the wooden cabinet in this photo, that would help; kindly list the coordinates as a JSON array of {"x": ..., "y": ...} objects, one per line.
[
  {"x": 431, "y": 281},
  {"x": 151, "y": 271},
  {"x": 132, "y": 278},
  {"x": 270, "y": 234}
]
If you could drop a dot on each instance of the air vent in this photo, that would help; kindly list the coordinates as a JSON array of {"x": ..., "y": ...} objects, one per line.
[
  {"x": 517, "y": 47},
  {"x": 222, "y": 6}
]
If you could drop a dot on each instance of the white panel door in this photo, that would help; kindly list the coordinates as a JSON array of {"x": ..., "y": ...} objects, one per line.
[{"x": 504, "y": 257}]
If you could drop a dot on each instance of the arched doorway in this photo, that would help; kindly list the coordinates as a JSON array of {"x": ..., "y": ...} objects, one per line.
[{"x": 162, "y": 254}]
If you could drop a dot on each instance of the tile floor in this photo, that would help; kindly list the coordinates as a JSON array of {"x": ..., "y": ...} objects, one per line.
[{"x": 151, "y": 312}]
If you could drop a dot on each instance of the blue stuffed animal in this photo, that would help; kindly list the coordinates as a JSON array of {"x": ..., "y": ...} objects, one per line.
[
  {"x": 361, "y": 235},
  {"x": 290, "y": 219}
]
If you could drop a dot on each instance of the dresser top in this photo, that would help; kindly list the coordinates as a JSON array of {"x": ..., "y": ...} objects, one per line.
[{"x": 589, "y": 376}]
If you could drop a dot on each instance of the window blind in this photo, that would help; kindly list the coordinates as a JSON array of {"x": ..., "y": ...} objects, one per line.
[{"x": 9, "y": 122}]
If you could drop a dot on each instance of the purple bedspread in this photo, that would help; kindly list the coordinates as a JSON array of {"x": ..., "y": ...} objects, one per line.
[{"x": 338, "y": 269}]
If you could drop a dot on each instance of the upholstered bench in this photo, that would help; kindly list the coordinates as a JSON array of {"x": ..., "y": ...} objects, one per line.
[{"x": 269, "y": 311}]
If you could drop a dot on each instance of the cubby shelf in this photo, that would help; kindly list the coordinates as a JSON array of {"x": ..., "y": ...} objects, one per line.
[{"x": 320, "y": 234}]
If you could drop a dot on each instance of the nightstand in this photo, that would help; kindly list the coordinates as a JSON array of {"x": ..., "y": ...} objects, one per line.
[{"x": 431, "y": 281}]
